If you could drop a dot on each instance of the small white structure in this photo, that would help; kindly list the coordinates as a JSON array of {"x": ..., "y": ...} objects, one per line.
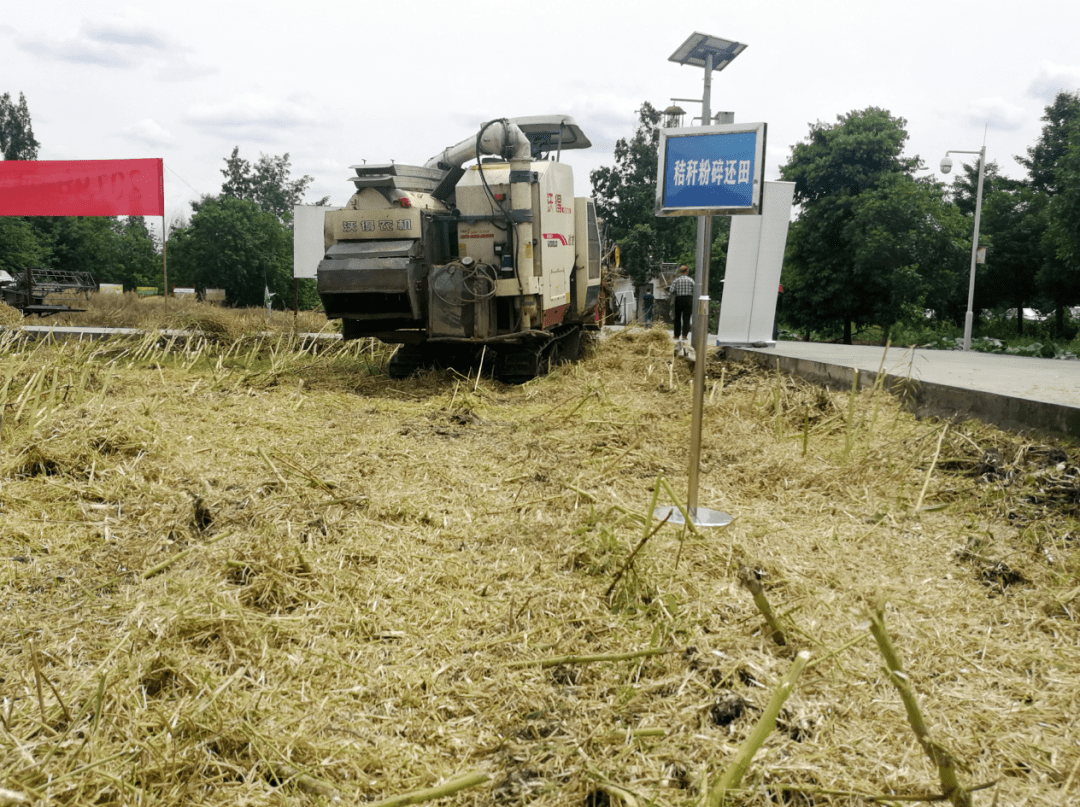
[
  {"x": 308, "y": 243},
  {"x": 752, "y": 277},
  {"x": 216, "y": 296},
  {"x": 625, "y": 300},
  {"x": 110, "y": 288}
]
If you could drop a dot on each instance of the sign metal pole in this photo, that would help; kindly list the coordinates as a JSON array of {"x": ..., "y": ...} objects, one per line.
[
  {"x": 701, "y": 318},
  {"x": 700, "y": 516}
]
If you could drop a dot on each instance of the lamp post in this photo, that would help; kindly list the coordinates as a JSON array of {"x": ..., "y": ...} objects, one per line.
[{"x": 946, "y": 166}]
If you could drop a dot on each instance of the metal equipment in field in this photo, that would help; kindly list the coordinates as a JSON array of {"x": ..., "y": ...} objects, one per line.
[
  {"x": 28, "y": 290},
  {"x": 497, "y": 262}
]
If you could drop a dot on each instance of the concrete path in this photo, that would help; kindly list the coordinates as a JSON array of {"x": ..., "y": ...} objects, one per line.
[{"x": 1012, "y": 392}]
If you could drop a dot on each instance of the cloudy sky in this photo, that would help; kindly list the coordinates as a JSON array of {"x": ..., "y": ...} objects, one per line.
[{"x": 335, "y": 84}]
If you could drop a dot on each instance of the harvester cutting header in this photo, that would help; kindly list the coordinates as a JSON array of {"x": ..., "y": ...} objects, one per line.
[{"x": 448, "y": 260}]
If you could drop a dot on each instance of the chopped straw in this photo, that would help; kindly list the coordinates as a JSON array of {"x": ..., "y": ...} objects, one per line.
[{"x": 253, "y": 569}]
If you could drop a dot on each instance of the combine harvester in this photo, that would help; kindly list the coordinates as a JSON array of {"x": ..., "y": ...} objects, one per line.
[{"x": 495, "y": 262}]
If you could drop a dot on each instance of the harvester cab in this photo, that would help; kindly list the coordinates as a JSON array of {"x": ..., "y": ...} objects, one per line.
[{"x": 453, "y": 260}]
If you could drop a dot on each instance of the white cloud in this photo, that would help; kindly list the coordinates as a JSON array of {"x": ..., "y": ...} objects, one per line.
[
  {"x": 132, "y": 32},
  {"x": 181, "y": 67},
  {"x": 121, "y": 41},
  {"x": 606, "y": 117},
  {"x": 253, "y": 115},
  {"x": 126, "y": 40},
  {"x": 1050, "y": 79},
  {"x": 77, "y": 49},
  {"x": 327, "y": 165},
  {"x": 148, "y": 131},
  {"x": 997, "y": 113}
]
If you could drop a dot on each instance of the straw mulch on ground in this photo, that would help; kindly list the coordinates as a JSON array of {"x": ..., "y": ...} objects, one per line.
[
  {"x": 9, "y": 316},
  {"x": 128, "y": 310},
  {"x": 259, "y": 571}
]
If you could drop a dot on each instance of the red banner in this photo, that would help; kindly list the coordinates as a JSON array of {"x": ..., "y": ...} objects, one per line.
[{"x": 82, "y": 188}]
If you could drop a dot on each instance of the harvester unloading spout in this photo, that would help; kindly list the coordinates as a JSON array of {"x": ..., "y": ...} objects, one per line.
[
  {"x": 498, "y": 137},
  {"x": 455, "y": 261}
]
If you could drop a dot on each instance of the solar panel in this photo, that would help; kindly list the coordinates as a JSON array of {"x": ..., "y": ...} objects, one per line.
[{"x": 698, "y": 47}]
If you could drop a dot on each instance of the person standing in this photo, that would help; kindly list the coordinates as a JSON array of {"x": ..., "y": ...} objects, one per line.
[
  {"x": 681, "y": 291},
  {"x": 648, "y": 301}
]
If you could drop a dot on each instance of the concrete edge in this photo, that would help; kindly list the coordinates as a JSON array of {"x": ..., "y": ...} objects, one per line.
[
  {"x": 925, "y": 398},
  {"x": 57, "y": 332}
]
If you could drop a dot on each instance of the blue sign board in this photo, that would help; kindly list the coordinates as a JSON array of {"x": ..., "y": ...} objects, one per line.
[{"x": 711, "y": 170}]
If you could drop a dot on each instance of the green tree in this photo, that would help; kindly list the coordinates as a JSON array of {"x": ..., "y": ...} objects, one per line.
[
  {"x": 267, "y": 183},
  {"x": 111, "y": 250},
  {"x": 1014, "y": 220},
  {"x": 17, "y": 141},
  {"x": 232, "y": 244},
  {"x": 908, "y": 249},
  {"x": 966, "y": 185},
  {"x": 828, "y": 281},
  {"x": 135, "y": 259},
  {"x": 848, "y": 157},
  {"x": 78, "y": 243},
  {"x": 626, "y": 201},
  {"x": 1011, "y": 229},
  {"x": 1061, "y": 119},
  {"x": 1059, "y": 276},
  {"x": 20, "y": 246},
  {"x": 1053, "y": 174}
]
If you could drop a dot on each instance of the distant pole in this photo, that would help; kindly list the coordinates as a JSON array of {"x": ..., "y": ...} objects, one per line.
[
  {"x": 164, "y": 258},
  {"x": 970, "y": 317},
  {"x": 946, "y": 166}
]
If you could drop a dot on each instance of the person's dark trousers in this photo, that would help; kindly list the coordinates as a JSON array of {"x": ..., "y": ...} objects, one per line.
[{"x": 684, "y": 304}]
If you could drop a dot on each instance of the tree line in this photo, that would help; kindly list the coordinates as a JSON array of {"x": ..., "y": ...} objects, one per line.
[
  {"x": 239, "y": 239},
  {"x": 874, "y": 243}
]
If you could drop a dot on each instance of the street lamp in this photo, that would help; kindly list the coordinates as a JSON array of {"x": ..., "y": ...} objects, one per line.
[
  {"x": 673, "y": 116},
  {"x": 946, "y": 166}
]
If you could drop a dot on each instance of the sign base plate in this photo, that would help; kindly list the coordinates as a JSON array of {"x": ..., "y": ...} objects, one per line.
[{"x": 700, "y": 517}]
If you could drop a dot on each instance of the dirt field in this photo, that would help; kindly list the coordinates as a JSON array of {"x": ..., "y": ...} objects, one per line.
[{"x": 257, "y": 571}]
